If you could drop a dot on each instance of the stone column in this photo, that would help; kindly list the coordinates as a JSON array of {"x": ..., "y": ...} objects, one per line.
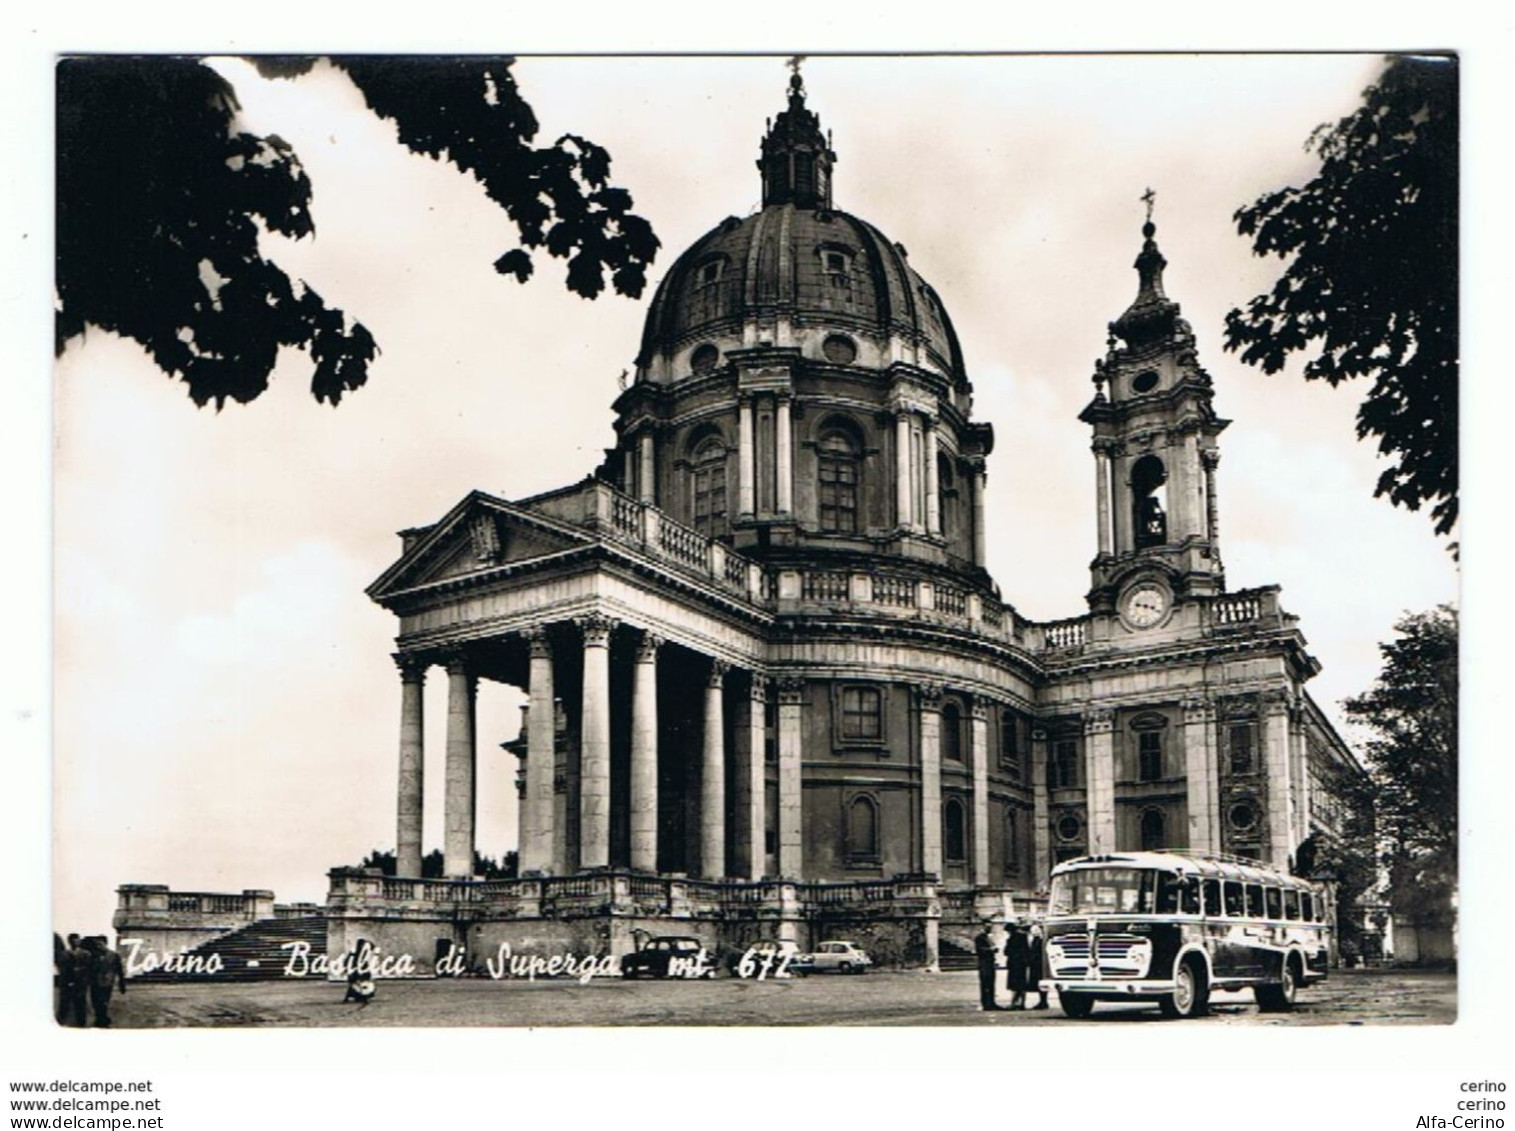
[
  {"x": 647, "y": 480},
  {"x": 933, "y": 490},
  {"x": 541, "y": 757},
  {"x": 791, "y": 782},
  {"x": 980, "y": 534},
  {"x": 904, "y": 489},
  {"x": 1099, "y": 785},
  {"x": 784, "y": 455},
  {"x": 459, "y": 792},
  {"x": 929, "y": 702},
  {"x": 1299, "y": 774},
  {"x": 713, "y": 779},
  {"x": 594, "y": 744},
  {"x": 1041, "y": 811},
  {"x": 1211, "y": 459},
  {"x": 979, "y": 748},
  {"x": 751, "y": 784},
  {"x": 644, "y": 755},
  {"x": 1192, "y": 518},
  {"x": 412, "y": 765},
  {"x": 1199, "y": 772},
  {"x": 1120, "y": 505},
  {"x": 746, "y": 459},
  {"x": 1102, "y": 496},
  {"x": 1275, "y": 722}
]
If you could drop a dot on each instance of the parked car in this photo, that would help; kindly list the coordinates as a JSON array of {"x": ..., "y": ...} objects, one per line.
[
  {"x": 669, "y": 956},
  {"x": 835, "y": 955}
]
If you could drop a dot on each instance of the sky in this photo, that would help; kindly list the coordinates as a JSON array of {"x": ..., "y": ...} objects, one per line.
[{"x": 226, "y": 711}]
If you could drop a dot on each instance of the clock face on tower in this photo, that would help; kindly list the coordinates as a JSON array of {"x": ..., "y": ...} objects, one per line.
[{"x": 1145, "y": 605}]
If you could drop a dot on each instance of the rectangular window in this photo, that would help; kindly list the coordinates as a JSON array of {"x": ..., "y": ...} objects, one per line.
[
  {"x": 1010, "y": 745},
  {"x": 862, "y": 714},
  {"x": 1291, "y": 905},
  {"x": 1235, "y": 907},
  {"x": 1064, "y": 768},
  {"x": 1212, "y": 898},
  {"x": 1275, "y": 904},
  {"x": 1239, "y": 738},
  {"x": 1149, "y": 755},
  {"x": 1254, "y": 901}
]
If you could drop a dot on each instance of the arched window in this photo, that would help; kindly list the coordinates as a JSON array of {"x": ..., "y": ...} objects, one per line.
[
  {"x": 1153, "y": 830},
  {"x": 952, "y": 732},
  {"x": 1148, "y": 497},
  {"x": 837, "y": 482},
  {"x": 708, "y": 487},
  {"x": 862, "y": 830},
  {"x": 955, "y": 831}
]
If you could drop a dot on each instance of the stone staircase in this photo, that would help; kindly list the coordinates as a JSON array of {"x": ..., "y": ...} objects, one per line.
[
  {"x": 257, "y": 952},
  {"x": 951, "y": 956}
]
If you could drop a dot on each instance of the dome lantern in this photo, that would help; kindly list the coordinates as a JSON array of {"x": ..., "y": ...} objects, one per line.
[{"x": 796, "y": 157}]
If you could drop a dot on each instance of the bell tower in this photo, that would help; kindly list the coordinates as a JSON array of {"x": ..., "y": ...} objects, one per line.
[{"x": 1155, "y": 457}]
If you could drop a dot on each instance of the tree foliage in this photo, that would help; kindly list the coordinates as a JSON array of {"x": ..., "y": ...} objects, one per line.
[
  {"x": 161, "y": 201},
  {"x": 1411, "y": 714},
  {"x": 432, "y": 864},
  {"x": 1371, "y": 282}
]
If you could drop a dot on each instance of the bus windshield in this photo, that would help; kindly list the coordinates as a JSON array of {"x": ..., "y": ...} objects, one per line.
[{"x": 1120, "y": 891}]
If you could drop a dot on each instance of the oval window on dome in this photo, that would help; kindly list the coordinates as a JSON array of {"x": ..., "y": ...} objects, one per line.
[
  {"x": 704, "y": 358},
  {"x": 839, "y": 349},
  {"x": 1145, "y": 381}
]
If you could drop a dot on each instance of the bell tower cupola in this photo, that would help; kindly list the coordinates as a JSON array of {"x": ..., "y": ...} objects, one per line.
[
  {"x": 1155, "y": 454},
  {"x": 796, "y": 157}
]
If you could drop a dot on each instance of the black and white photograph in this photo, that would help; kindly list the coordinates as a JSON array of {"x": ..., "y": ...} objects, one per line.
[{"x": 784, "y": 540}]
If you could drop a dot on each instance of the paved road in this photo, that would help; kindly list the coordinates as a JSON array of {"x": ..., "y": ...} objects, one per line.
[{"x": 881, "y": 998}]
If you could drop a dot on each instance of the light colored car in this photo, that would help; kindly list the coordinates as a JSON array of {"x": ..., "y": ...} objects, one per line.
[{"x": 837, "y": 955}]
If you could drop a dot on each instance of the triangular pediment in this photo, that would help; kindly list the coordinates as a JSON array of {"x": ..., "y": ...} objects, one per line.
[{"x": 481, "y": 533}]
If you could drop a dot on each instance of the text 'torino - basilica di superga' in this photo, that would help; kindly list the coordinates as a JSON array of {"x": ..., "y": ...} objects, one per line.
[{"x": 773, "y": 691}]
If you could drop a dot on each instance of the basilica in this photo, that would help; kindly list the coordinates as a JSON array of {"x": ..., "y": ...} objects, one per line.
[{"x": 774, "y": 692}]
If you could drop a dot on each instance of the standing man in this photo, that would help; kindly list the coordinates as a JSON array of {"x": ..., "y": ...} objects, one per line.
[
  {"x": 1017, "y": 964},
  {"x": 73, "y": 984},
  {"x": 106, "y": 973},
  {"x": 1037, "y": 972},
  {"x": 986, "y": 952}
]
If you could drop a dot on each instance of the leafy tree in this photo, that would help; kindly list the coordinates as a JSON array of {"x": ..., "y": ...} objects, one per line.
[
  {"x": 431, "y": 864},
  {"x": 1411, "y": 713},
  {"x": 161, "y": 201},
  {"x": 1371, "y": 280}
]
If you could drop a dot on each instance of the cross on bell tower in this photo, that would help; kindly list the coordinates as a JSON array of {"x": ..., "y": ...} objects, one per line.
[{"x": 1155, "y": 453}]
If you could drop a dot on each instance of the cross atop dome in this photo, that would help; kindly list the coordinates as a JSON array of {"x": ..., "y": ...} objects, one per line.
[{"x": 796, "y": 157}]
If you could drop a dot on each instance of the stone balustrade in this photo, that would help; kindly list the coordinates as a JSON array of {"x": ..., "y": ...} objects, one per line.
[{"x": 169, "y": 921}]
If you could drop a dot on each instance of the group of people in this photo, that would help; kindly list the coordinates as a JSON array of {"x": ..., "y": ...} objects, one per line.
[
  {"x": 1023, "y": 965},
  {"x": 86, "y": 971}
]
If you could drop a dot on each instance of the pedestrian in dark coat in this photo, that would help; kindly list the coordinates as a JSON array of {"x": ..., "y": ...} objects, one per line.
[
  {"x": 73, "y": 985},
  {"x": 1017, "y": 965},
  {"x": 105, "y": 974},
  {"x": 986, "y": 952},
  {"x": 1036, "y": 946}
]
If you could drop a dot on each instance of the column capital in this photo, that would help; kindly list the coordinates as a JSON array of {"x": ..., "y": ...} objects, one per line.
[
  {"x": 647, "y": 647},
  {"x": 538, "y": 642},
  {"x": 791, "y": 691},
  {"x": 1197, "y": 708},
  {"x": 758, "y": 692},
  {"x": 1210, "y": 458},
  {"x": 455, "y": 660},
  {"x": 1104, "y": 446},
  {"x": 979, "y": 709},
  {"x": 1277, "y": 700},
  {"x": 412, "y": 666},
  {"x": 1099, "y": 720},
  {"x": 718, "y": 670},
  {"x": 1039, "y": 734},
  {"x": 596, "y": 628},
  {"x": 928, "y": 695}
]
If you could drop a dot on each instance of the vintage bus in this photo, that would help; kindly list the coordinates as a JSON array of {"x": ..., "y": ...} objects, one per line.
[{"x": 1171, "y": 928}]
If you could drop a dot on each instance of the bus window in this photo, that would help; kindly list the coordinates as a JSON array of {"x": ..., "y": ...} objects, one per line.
[
  {"x": 1168, "y": 887},
  {"x": 1254, "y": 901},
  {"x": 1291, "y": 904},
  {"x": 1275, "y": 904},
  {"x": 1234, "y": 907},
  {"x": 1212, "y": 898},
  {"x": 1190, "y": 897},
  {"x": 1309, "y": 906}
]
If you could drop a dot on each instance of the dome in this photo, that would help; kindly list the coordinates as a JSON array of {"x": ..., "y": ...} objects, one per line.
[{"x": 796, "y": 273}]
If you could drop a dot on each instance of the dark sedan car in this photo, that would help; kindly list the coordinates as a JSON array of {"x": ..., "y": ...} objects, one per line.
[{"x": 669, "y": 956}]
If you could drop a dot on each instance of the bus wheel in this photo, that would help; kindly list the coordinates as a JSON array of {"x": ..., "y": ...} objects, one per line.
[
  {"x": 1278, "y": 997},
  {"x": 1076, "y": 1006},
  {"x": 1191, "y": 991}
]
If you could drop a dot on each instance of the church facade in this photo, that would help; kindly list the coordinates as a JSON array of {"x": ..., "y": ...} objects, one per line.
[{"x": 773, "y": 690}]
